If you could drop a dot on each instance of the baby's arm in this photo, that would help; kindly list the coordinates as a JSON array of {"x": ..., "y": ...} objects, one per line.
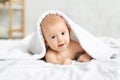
[
  {"x": 84, "y": 57},
  {"x": 55, "y": 58},
  {"x": 68, "y": 61},
  {"x": 52, "y": 57}
]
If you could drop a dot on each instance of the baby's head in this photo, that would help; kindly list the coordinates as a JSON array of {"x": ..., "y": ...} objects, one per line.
[{"x": 55, "y": 32}]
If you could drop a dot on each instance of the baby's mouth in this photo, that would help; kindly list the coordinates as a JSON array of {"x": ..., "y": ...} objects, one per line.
[{"x": 60, "y": 45}]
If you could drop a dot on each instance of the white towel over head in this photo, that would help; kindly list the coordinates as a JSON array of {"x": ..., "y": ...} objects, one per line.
[{"x": 94, "y": 47}]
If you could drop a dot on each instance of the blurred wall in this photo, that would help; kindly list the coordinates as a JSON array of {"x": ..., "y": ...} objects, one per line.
[{"x": 99, "y": 17}]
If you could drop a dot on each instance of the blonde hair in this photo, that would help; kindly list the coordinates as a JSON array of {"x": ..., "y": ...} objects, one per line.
[{"x": 51, "y": 20}]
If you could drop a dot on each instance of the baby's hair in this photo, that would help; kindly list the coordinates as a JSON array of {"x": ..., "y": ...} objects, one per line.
[{"x": 51, "y": 19}]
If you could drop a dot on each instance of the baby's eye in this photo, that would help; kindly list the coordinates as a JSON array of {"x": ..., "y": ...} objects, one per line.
[
  {"x": 53, "y": 37},
  {"x": 63, "y": 33}
]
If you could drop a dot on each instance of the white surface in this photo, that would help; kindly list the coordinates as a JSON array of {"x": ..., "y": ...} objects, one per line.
[{"x": 39, "y": 70}]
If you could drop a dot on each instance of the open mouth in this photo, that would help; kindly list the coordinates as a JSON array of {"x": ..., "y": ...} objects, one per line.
[{"x": 60, "y": 45}]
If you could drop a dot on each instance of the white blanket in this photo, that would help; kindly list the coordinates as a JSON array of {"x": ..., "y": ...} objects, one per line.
[
  {"x": 39, "y": 70},
  {"x": 97, "y": 49},
  {"x": 14, "y": 69}
]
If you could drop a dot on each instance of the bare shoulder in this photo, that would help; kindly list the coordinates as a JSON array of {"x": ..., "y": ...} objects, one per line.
[
  {"x": 50, "y": 53},
  {"x": 53, "y": 57},
  {"x": 77, "y": 46},
  {"x": 75, "y": 43}
]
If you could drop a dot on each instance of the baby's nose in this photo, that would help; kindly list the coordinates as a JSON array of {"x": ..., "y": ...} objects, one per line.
[{"x": 60, "y": 38}]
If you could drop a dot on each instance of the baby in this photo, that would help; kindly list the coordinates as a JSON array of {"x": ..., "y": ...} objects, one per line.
[{"x": 60, "y": 48}]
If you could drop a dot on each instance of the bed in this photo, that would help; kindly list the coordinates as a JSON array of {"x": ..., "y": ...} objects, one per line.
[{"x": 25, "y": 69}]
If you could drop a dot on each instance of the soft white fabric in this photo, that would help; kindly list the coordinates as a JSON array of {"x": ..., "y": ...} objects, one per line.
[
  {"x": 97, "y": 49},
  {"x": 39, "y": 70}
]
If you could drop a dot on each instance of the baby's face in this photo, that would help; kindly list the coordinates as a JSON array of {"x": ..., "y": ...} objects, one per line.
[{"x": 57, "y": 36}]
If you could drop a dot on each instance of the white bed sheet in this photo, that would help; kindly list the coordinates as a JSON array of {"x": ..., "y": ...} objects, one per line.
[{"x": 39, "y": 70}]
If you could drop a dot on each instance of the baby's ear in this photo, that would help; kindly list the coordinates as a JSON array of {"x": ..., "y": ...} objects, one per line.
[{"x": 45, "y": 42}]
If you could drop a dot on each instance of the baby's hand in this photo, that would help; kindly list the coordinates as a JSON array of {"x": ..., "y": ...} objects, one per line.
[
  {"x": 84, "y": 58},
  {"x": 68, "y": 61}
]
